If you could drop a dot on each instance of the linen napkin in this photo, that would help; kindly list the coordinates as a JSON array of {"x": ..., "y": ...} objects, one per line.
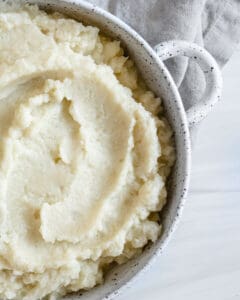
[{"x": 213, "y": 24}]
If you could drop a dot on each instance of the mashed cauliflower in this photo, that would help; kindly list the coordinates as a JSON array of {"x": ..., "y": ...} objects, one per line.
[{"x": 84, "y": 155}]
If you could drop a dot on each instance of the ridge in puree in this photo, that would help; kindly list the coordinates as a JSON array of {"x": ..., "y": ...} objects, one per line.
[{"x": 84, "y": 155}]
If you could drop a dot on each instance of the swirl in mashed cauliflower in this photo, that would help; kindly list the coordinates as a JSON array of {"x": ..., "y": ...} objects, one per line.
[{"x": 84, "y": 155}]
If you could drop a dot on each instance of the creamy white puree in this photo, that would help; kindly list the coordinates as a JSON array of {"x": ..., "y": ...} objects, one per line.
[{"x": 84, "y": 155}]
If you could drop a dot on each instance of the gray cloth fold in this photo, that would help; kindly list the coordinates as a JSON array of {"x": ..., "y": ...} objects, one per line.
[{"x": 214, "y": 24}]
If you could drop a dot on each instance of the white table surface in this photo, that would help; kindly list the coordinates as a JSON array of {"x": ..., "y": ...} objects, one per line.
[{"x": 202, "y": 261}]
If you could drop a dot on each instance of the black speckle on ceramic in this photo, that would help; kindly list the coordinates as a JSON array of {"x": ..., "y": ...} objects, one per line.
[{"x": 161, "y": 83}]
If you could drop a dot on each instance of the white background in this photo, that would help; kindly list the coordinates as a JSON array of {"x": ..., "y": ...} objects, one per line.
[{"x": 202, "y": 261}]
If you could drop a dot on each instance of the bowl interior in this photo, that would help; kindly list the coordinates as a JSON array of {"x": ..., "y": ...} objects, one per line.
[{"x": 160, "y": 82}]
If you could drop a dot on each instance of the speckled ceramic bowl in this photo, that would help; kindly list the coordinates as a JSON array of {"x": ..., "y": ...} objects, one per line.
[{"x": 159, "y": 80}]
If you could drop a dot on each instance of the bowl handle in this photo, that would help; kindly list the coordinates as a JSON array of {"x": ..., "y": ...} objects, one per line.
[{"x": 209, "y": 67}]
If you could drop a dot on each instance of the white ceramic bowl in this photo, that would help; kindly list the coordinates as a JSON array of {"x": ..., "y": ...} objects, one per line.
[{"x": 159, "y": 80}]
